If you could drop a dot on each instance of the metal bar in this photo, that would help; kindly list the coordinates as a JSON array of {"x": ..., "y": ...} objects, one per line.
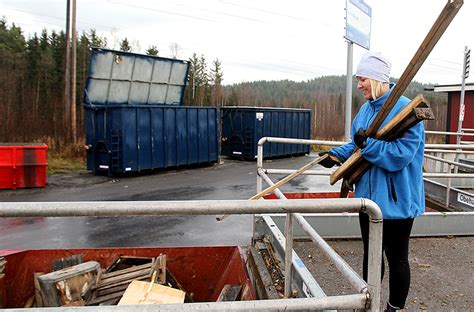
[
  {"x": 356, "y": 301},
  {"x": 346, "y": 225},
  {"x": 447, "y": 175},
  {"x": 355, "y": 280},
  {"x": 450, "y": 146},
  {"x": 288, "y": 238},
  {"x": 192, "y": 207},
  {"x": 449, "y": 162},
  {"x": 289, "y": 171},
  {"x": 449, "y": 133},
  {"x": 448, "y": 151},
  {"x": 288, "y": 253},
  {"x": 290, "y": 177},
  {"x": 299, "y": 141}
]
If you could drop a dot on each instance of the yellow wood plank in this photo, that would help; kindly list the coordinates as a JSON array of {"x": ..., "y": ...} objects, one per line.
[{"x": 141, "y": 293}]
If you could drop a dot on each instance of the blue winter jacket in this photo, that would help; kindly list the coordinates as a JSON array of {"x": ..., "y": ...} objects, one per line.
[{"x": 395, "y": 180}]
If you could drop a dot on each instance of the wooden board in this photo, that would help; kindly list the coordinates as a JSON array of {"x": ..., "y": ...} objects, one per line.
[
  {"x": 439, "y": 27},
  {"x": 141, "y": 293}
]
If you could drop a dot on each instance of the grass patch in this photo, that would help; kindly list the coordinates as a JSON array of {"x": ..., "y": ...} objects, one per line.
[
  {"x": 58, "y": 164},
  {"x": 70, "y": 158}
]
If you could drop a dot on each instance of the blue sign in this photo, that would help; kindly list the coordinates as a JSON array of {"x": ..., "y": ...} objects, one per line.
[{"x": 358, "y": 22}]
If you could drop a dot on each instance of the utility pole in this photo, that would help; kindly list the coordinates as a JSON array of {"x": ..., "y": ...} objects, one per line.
[
  {"x": 73, "y": 70},
  {"x": 67, "y": 73}
]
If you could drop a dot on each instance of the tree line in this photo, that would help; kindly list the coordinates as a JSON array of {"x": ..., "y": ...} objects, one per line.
[{"x": 32, "y": 92}]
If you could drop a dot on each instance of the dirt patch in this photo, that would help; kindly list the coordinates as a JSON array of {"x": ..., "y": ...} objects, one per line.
[{"x": 441, "y": 271}]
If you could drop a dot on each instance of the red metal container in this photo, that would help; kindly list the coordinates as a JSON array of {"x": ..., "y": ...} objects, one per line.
[
  {"x": 22, "y": 165},
  {"x": 202, "y": 271}
]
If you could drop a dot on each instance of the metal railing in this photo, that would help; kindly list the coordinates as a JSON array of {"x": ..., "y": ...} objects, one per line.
[
  {"x": 366, "y": 298},
  {"x": 373, "y": 281},
  {"x": 457, "y": 149}
]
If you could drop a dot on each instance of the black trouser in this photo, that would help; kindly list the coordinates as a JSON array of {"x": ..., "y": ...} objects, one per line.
[{"x": 396, "y": 236}]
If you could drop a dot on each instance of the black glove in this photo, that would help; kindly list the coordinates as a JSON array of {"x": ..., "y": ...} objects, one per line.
[
  {"x": 327, "y": 162},
  {"x": 360, "y": 138}
]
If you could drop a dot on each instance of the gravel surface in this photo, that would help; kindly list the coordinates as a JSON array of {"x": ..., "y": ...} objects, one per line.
[{"x": 441, "y": 271}]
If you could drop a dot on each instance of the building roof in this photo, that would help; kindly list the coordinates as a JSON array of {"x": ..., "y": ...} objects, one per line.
[{"x": 451, "y": 87}]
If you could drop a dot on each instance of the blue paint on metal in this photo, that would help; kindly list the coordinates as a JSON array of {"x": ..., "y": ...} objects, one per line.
[
  {"x": 242, "y": 127},
  {"x": 133, "y": 139}
]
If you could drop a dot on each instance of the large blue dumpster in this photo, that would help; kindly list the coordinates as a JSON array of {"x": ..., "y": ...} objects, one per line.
[
  {"x": 134, "y": 116},
  {"x": 243, "y": 126}
]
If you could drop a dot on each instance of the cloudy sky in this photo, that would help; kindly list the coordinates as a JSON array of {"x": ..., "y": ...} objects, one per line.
[{"x": 264, "y": 39}]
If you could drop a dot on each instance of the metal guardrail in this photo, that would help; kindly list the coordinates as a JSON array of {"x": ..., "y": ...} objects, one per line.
[
  {"x": 340, "y": 263},
  {"x": 437, "y": 148},
  {"x": 368, "y": 297}
]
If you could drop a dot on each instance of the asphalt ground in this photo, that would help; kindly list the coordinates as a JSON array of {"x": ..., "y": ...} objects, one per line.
[
  {"x": 442, "y": 268},
  {"x": 231, "y": 179}
]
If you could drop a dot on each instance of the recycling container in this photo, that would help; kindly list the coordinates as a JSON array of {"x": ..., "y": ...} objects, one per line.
[
  {"x": 243, "y": 127},
  {"x": 23, "y": 165},
  {"x": 134, "y": 139},
  {"x": 135, "y": 119}
]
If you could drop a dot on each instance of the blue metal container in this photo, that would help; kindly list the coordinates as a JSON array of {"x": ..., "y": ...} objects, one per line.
[
  {"x": 123, "y": 78},
  {"x": 134, "y": 118},
  {"x": 243, "y": 126},
  {"x": 134, "y": 139}
]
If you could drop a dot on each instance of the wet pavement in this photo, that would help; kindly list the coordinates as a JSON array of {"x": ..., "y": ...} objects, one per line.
[{"x": 232, "y": 179}]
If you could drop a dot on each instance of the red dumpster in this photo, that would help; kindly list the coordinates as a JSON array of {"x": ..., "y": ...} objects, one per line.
[{"x": 22, "y": 165}]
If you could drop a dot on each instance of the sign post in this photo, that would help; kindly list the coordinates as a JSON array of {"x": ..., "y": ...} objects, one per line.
[
  {"x": 358, "y": 27},
  {"x": 465, "y": 75}
]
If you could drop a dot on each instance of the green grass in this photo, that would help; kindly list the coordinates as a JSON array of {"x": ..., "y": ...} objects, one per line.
[{"x": 61, "y": 164}]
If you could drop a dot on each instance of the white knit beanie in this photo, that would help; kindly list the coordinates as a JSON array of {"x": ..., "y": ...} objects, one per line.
[{"x": 375, "y": 66}]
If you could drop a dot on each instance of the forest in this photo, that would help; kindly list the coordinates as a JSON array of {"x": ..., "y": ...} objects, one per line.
[{"x": 32, "y": 90}]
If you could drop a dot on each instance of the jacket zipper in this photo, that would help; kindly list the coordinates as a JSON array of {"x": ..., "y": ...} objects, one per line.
[{"x": 370, "y": 169}]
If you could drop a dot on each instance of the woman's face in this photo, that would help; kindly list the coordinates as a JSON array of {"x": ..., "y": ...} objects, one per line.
[{"x": 363, "y": 84}]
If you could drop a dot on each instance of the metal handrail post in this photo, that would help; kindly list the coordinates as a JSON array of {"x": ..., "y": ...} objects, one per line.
[
  {"x": 373, "y": 287},
  {"x": 288, "y": 223}
]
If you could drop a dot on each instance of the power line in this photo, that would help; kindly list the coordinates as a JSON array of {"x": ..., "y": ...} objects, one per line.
[{"x": 56, "y": 17}]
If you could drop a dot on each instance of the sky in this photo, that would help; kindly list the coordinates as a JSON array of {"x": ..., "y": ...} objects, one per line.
[{"x": 264, "y": 39}]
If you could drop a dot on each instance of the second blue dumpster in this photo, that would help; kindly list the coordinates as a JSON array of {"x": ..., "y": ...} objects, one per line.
[{"x": 243, "y": 126}]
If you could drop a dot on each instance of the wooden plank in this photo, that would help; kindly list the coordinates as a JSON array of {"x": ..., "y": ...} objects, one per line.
[
  {"x": 127, "y": 270},
  {"x": 395, "y": 128},
  {"x": 108, "y": 297},
  {"x": 354, "y": 160},
  {"x": 149, "y": 293},
  {"x": 229, "y": 293},
  {"x": 437, "y": 30},
  {"x": 290, "y": 177},
  {"x": 125, "y": 277},
  {"x": 38, "y": 293},
  {"x": 264, "y": 287},
  {"x": 128, "y": 281}
]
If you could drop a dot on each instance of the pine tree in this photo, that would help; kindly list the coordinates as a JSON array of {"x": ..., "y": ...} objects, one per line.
[
  {"x": 125, "y": 45},
  {"x": 152, "y": 50}
]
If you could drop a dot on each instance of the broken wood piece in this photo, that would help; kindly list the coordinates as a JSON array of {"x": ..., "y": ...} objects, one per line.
[
  {"x": 66, "y": 262},
  {"x": 64, "y": 286},
  {"x": 38, "y": 293},
  {"x": 159, "y": 267},
  {"x": 141, "y": 293},
  {"x": 112, "y": 285},
  {"x": 29, "y": 303},
  {"x": 230, "y": 293},
  {"x": 125, "y": 262},
  {"x": 394, "y": 128}
]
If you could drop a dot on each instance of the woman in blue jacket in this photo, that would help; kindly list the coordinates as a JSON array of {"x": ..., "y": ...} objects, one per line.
[{"x": 395, "y": 180}]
